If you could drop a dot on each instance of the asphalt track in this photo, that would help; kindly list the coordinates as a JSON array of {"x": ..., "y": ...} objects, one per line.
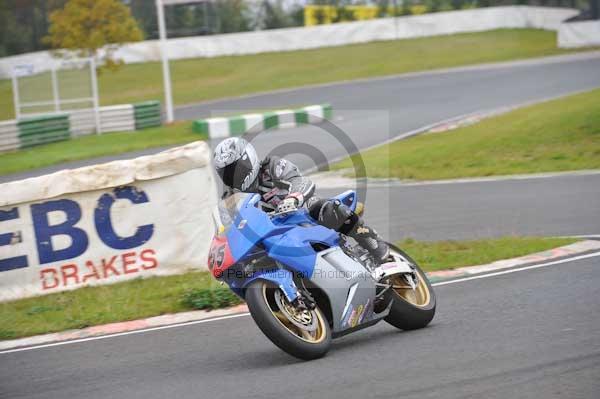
[
  {"x": 567, "y": 205},
  {"x": 531, "y": 334}
]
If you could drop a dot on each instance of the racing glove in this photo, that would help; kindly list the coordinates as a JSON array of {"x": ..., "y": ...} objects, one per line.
[{"x": 289, "y": 204}]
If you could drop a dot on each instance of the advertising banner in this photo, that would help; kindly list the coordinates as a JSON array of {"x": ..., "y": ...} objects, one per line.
[{"x": 106, "y": 227}]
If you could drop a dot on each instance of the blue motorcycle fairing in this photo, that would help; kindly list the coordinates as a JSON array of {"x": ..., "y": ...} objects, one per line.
[
  {"x": 348, "y": 198},
  {"x": 286, "y": 239},
  {"x": 293, "y": 248},
  {"x": 250, "y": 226}
]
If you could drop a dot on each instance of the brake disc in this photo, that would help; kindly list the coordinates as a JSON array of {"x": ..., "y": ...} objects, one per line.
[{"x": 304, "y": 319}]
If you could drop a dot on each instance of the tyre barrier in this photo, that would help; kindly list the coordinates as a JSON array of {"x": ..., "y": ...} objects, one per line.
[
  {"x": 117, "y": 118},
  {"x": 256, "y": 122},
  {"x": 33, "y": 131},
  {"x": 147, "y": 114},
  {"x": 83, "y": 122},
  {"x": 107, "y": 223},
  {"x": 43, "y": 129},
  {"x": 9, "y": 136}
]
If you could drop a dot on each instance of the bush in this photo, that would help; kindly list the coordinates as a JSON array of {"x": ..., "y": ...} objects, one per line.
[{"x": 206, "y": 298}]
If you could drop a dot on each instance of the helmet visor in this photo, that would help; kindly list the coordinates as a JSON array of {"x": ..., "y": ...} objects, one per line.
[{"x": 238, "y": 174}]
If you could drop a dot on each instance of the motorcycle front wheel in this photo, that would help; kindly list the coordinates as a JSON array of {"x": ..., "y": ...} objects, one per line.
[
  {"x": 412, "y": 308},
  {"x": 304, "y": 334}
]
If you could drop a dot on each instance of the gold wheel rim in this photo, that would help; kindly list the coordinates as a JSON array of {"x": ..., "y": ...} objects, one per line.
[
  {"x": 312, "y": 337},
  {"x": 419, "y": 297}
]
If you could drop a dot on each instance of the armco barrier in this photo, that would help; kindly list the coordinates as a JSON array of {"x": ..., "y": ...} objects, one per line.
[
  {"x": 238, "y": 125},
  {"x": 43, "y": 130},
  {"x": 147, "y": 114},
  {"x": 107, "y": 223}
]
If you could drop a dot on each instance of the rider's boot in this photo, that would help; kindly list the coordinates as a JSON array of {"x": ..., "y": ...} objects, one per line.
[
  {"x": 368, "y": 238},
  {"x": 334, "y": 215}
]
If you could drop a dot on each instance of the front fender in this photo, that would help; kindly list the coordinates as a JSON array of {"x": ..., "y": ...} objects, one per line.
[{"x": 280, "y": 277}]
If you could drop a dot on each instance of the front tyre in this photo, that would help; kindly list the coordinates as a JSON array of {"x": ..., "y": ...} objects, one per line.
[
  {"x": 412, "y": 308},
  {"x": 303, "y": 334}
]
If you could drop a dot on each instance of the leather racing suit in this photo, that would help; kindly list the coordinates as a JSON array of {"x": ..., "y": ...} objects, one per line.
[{"x": 279, "y": 179}]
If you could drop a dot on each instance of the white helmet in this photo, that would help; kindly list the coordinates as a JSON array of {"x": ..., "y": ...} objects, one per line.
[{"x": 236, "y": 163}]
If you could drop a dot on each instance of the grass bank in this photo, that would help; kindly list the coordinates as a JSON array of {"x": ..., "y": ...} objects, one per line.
[
  {"x": 440, "y": 255},
  {"x": 96, "y": 146},
  {"x": 558, "y": 135},
  {"x": 197, "y": 290},
  {"x": 210, "y": 78}
]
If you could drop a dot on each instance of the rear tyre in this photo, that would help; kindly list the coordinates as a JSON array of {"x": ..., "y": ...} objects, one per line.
[
  {"x": 411, "y": 309},
  {"x": 303, "y": 334}
]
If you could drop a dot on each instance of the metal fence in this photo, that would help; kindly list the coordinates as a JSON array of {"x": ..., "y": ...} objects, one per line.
[{"x": 70, "y": 86}]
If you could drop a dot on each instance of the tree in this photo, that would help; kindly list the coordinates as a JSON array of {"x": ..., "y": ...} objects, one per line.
[
  {"x": 144, "y": 12},
  {"x": 232, "y": 15},
  {"x": 274, "y": 16},
  {"x": 23, "y": 23},
  {"x": 407, "y": 7},
  {"x": 297, "y": 15},
  {"x": 84, "y": 27},
  {"x": 383, "y": 7},
  {"x": 14, "y": 37}
]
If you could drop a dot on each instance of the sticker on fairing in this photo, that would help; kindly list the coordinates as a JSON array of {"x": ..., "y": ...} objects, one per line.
[
  {"x": 368, "y": 310},
  {"x": 347, "y": 316},
  {"x": 354, "y": 319}
]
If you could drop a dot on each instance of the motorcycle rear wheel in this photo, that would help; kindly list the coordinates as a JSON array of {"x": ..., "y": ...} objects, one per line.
[
  {"x": 411, "y": 309},
  {"x": 305, "y": 335}
]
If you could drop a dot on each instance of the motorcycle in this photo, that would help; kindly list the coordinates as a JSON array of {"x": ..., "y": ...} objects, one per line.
[{"x": 305, "y": 284}]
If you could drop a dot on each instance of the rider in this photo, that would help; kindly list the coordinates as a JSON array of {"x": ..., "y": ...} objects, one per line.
[{"x": 282, "y": 187}]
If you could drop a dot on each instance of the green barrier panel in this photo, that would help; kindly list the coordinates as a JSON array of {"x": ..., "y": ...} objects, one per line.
[
  {"x": 237, "y": 125},
  {"x": 146, "y": 111},
  {"x": 43, "y": 130},
  {"x": 200, "y": 126},
  {"x": 327, "y": 111},
  {"x": 301, "y": 117},
  {"x": 147, "y": 114},
  {"x": 27, "y": 142},
  {"x": 149, "y": 124},
  {"x": 271, "y": 120}
]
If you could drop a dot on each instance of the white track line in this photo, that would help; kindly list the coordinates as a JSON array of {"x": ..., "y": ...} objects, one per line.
[
  {"x": 556, "y": 262},
  {"x": 74, "y": 341},
  {"x": 459, "y": 280}
]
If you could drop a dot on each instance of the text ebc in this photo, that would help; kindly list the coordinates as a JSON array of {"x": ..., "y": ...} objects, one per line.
[{"x": 44, "y": 231}]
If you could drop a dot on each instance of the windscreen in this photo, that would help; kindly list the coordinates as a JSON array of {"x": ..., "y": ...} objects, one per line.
[{"x": 228, "y": 209}]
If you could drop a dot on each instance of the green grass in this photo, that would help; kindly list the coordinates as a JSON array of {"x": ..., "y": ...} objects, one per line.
[
  {"x": 442, "y": 255},
  {"x": 558, "y": 135},
  {"x": 102, "y": 304},
  {"x": 197, "y": 290},
  {"x": 210, "y": 78},
  {"x": 96, "y": 146}
]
